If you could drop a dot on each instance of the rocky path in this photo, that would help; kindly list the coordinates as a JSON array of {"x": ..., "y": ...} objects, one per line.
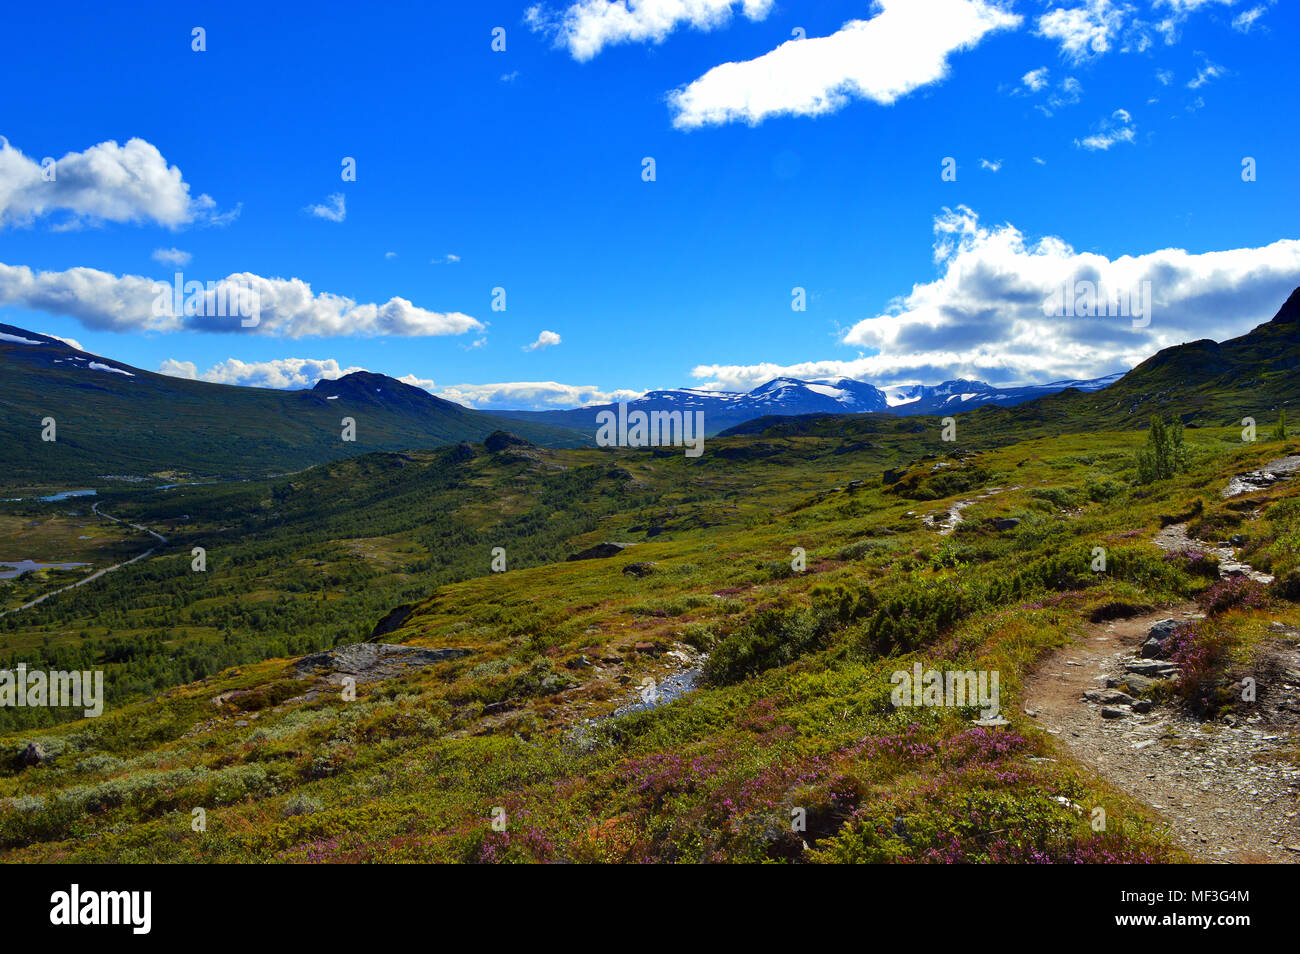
[
  {"x": 1228, "y": 791},
  {"x": 946, "y": 521},
  {"x": 1266, "y": 476}
]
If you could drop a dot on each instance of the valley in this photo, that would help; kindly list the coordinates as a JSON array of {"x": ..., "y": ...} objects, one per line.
[{"x": 685, "y": 659}]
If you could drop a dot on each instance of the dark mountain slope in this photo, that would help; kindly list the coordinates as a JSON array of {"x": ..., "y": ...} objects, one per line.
[{"x": 112, "y": 418}]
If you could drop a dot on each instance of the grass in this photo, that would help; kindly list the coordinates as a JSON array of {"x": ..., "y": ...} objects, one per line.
[{"x": 793, "y": 720}]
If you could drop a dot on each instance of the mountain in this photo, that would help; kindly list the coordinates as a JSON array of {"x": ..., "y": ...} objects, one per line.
[
  {"x": 1206, "y": 383},
  {"x": 112, "y": 418},
  {"x": 724, "y": 409},
  {"x": 963, "y": 395},
  {"x": 793, "y": 397}
]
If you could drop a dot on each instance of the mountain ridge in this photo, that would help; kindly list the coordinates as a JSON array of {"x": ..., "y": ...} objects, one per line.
[{"x": 112, "y": 418}]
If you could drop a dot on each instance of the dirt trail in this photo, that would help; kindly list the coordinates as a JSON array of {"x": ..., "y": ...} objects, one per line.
[{"x": 1222, "y": 789}]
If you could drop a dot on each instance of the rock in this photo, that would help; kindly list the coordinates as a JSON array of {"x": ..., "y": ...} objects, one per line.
[
  {"x": 647, "y": 648},
  {"x": 578, "y": 662},
  {"x": 1112, "y": 697},
  {"x": 891, "y": 476},
  {"x": 1157, "y": 645},
  {"x": 1162, "y": 630},
  {"x": 35, "y": 754},
  {"x": 1142, "y": 706},
  {"x": 1134, "y": 682},
  {"x": 1151, "y": 649},
  {"x": 599, "y": 552},
  {"x": 395, "y": 618},
  {"x": 639, "y": 569},
  {"x": 462, "y": 452},
  {"x": 370, "y": 662},
  {"x": 1154, "y": 668},
  {"x": 1109, "y": 713},
  {"x": 500, "y": 440},
  {"x": 1006, "y": 523}
]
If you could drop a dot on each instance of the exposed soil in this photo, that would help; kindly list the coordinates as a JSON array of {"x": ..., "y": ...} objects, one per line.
[{"x": 1228, "y": 791}]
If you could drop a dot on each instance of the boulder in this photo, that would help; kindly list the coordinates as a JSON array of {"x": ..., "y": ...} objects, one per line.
[
  {"x": 392, "y": 620},
  {"x": 1154, "y": 668},
  {"x": 639, "y": 569},
  {"x": 371, "y": 662},
  {"x": 600, "y": 551},
  {"x": 500, "y": 440},
  {"x": 1110, "y": 697}
]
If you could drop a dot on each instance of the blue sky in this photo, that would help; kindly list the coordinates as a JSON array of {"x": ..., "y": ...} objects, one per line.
[{"x": 1092, "y": 138}]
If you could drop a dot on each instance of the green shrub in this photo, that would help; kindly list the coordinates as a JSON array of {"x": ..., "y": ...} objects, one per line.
[{"x": 1164, "y": 455}]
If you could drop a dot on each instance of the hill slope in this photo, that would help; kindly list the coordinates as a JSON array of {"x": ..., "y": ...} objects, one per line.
[{"x": 112, "y": 418}]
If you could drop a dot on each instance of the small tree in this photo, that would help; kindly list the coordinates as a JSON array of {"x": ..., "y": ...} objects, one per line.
[
  {"x": 1279, "y": 432},
  {"x": 1164, "y": 454}
]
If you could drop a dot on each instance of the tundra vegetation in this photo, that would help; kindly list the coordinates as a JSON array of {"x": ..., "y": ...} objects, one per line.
[{"x": 786, "y": 748}]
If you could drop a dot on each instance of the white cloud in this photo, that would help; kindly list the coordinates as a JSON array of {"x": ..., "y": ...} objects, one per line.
[
  {"x": 1245, "y": 20},
  {"x": 991, "y": 165},
  {"x": 545, "y": 340},
  {"x": 588, "y": 26},
  {"x": 105, "y": 183},
  {"x": 904, "y": 47},
  {"x": 426, "y": 383},
  {"x": 1118, "y": 128},
  {"x": 70, "y": 342},
  {"x": 334, "y": 209},
  {"x": 1035, "y": 80},
  {"x": 539, "y": 395},
  {"x": 1068, "y": 93},
  {"x": 288, "y": 307},
  {"x": 390, "y": 255},
  {"x": 1188, "y": 6},
  {"x": 1084, "y": 31},
  {"x": 172, "y": 256},
  {"x": 983, "y": 317},
  {"x": 447, "y": 259},
  {"x": 1165, "y": 77},
  {"x": 1180, "y": 10},
  {"x": 1206, "y": 74},
  {"x": 279, "y": 373}
]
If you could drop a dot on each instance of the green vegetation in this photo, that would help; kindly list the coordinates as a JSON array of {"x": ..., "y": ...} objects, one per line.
[
  {"x": 1164, "y": 454},
  {"x": 773, "y": 588},
  {"x": 794, "y": 711}
]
